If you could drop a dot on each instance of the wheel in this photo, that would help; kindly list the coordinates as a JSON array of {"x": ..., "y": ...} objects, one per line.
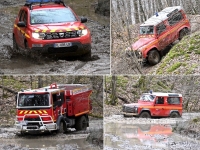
[
  {"x": 61, "y": 127},
  {"x": 145, "y": 115},
  {"x": 145, "y": 127},
  {"x": 153, "y": 57},
  {"x": 174, "y": 115},
  {"x": 87, "y": 56},
  {"x": 81, "y": 123},
  {"x": 15, "y": 46},
  {"x": 183, "y": 33}
]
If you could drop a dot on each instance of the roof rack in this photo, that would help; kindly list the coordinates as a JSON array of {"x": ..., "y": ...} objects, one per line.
[{"x": 29, "y": 3}]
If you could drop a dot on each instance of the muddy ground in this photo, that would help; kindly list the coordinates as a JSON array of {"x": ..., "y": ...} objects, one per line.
[
  {"x": 91, "y": 139},
  {"x": 139, "y": 133},
  {"x": 19, "y": 64}
]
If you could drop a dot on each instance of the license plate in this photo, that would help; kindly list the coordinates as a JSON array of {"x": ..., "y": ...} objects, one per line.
[{"x": 67, "y": 44}]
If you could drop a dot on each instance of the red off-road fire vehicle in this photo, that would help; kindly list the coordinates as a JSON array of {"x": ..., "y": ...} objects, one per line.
[
  {"x": 51, "y": 27},
  {"x": 155, "y": 104},
  {"x": 158, "y": 32},
  {"x": 53, "y": 108}
]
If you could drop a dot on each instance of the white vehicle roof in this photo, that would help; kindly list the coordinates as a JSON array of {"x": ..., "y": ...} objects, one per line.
[
  {"x": 154, "y": 20},
  {"x": 165, "y": 94}
]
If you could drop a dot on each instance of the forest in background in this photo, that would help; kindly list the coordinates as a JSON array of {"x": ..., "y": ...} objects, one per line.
[
  {"x": 127, "y": 89},
  {"x": 127, "y": 15},
  {"x": 10, "y": 85}
]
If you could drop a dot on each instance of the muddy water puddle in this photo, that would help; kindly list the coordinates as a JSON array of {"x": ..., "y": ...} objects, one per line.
[
  {"x": 46, "y": 144},
  {"x": 145, "y": 137}
]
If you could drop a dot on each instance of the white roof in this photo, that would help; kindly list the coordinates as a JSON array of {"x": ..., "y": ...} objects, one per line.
[
  {"x": 164, "y": 94},
  {"x": 161, "y": 16}
]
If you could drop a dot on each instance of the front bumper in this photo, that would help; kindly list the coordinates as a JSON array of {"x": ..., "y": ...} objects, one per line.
[
  {"x": 130, "y": 114},
  {"x": 35, "y": 125},
  {"x": 76, "y": 49}
]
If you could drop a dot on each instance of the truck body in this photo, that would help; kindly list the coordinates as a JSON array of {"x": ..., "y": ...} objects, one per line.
[{"x": 53, "y": 108}]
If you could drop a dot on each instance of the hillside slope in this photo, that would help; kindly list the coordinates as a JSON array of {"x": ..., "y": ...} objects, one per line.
[{"x": 183, "y": 58}]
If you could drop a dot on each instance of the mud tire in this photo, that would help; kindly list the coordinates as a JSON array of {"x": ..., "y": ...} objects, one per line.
[
  {"x": 61, "y": 127},
  {"x": 87, "y": 56},
  {"x": 81, "y": 123},
  {"x": 183, "y": 33},
  {"x": 174, "y": 115},
  {"x": 145, "y": 115},
  {"x": 153, "y": 57}
]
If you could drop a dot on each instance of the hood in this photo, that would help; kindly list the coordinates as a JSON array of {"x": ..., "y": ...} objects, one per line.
[
  {"x": 140, "y": 103},
  {"x": 141, "y": 42},
  {"x": 58, "y": 27}
]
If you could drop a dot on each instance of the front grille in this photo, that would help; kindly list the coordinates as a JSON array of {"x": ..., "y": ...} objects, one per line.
[
  {"x": 61, "y": 35},
  {"x": 32, "y": 127},
  {"x": 129, "y": 109},
  {"x": 63, "y": 49}
]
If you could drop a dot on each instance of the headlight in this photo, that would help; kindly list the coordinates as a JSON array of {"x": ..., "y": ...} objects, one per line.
[
  {"x": 38, "y": 35},
  {"x": 82, "y": 32}
]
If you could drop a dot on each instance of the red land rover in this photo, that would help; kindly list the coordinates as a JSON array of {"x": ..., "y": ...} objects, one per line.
[
  {"x": 155, "y": 105},
  {"x": 51, "y": 28},
  {"x": 158, "y": 32}
]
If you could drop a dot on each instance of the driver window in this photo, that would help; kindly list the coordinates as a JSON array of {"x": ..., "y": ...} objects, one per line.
[
  {"x": 160, "y": 100},
  {"x": 160, "y": 28}
]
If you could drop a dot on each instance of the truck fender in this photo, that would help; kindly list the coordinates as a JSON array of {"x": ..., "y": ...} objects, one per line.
[{"x": 145, "y": 109}]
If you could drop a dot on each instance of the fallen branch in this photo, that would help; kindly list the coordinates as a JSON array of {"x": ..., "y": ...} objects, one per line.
[
  {"x": 9, "y": 90},
  {"x": 121, "y": 98}
]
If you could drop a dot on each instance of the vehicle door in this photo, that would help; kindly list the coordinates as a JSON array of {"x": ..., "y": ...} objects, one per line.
[
  {"x": 22, "y": 30},
  {"x": 159, "y": 106},
  {"x": 174, "y": 22},
  {"x": 163, "y": 36},
  {"x": 58, "y": 100}
]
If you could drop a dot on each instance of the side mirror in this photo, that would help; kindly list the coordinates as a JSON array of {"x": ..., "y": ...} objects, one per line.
[
  {"x": 83, "y": 20},
  {"x": 21, "y": 24}
]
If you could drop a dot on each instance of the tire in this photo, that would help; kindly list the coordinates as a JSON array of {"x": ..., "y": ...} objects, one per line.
[
  {"x": 145, "y": 115},
  {"x": 15, "y": 46},
  {"x": 183, "y": 33},
  {"x": 174, "y": 115},
  {"x": 81, "y": 123},
  {"x": 61, "y": 127},
  {"x": 153, "y": 57},
  {"x": 145, "y": 127},
  {"x": 87, "y": 56}
]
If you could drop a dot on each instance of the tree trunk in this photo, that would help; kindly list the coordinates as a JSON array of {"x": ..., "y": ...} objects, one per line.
[
  {"x": 113, "y": 92},
  {"x": 136, "y": 16}
]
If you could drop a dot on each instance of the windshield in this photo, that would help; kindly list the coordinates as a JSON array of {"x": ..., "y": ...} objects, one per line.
[
  {"x": 147, "y": 97},
  {"x": 146, "y": 30},
  {"x": 33, "y": 100},
  {"x": 48, "y": 16}
]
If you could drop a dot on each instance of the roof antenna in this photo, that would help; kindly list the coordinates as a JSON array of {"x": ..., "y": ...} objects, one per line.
[{"x": 156, "y": 13}]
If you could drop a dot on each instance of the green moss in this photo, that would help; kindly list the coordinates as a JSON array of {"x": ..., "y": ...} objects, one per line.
[
  {"x": 161, "y": 84},
  {"x": 174, "y": 67},
  {"x": 190, "y": 69}
]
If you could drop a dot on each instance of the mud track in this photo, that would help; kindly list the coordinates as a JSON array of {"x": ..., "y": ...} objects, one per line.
[{"x": 20, "y": 64}]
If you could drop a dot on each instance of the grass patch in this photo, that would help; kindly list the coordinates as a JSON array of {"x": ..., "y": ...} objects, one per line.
[{"x": 174, "y": 67}]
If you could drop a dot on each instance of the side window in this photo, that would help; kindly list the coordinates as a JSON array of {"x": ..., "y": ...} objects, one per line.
[
  {"x": 173, "y": 100},
  {"x": 58, "y": 100},
  {"x": 175, "y": 18},
  {"x": 21, "y": 15},
  {"x": 160, "y": 100},
  {"x": 25, "y": 18},
  {"x": 160, "y": 28}
]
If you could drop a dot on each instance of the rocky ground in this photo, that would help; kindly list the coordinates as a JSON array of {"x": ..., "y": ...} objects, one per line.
[{"x": 98, "y": 64}]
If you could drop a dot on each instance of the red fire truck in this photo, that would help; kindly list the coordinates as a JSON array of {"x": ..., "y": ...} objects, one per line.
[{"x": 53, "y": 108}]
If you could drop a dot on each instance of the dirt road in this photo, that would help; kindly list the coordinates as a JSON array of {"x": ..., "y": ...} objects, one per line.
[
  {"x": 19, "y": 64},
  {"x": 67, "y": 141},
  {"x": 145, "y": 134}
]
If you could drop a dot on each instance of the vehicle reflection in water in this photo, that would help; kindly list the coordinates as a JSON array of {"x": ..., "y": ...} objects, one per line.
[{"x": 119, "y": 135}]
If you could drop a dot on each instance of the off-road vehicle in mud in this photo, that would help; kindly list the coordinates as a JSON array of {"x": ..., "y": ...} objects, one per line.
[
  {"x": 53, "y": 108},
  {"x": 51, "y": 27},
  {"x": 158, "y": 32},
  {"x": 155, "y": 104}
]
